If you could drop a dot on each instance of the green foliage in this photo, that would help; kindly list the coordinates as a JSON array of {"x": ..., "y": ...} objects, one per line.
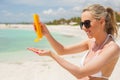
[
  {"x": 74, "y": 19},
  {"x": 65, "y": 21},
  {"x": 117, "y": 17}
]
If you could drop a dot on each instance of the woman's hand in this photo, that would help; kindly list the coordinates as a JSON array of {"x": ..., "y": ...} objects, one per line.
[
  {"x": 40, "y": 52},
  {"x": 45, "y": 31}
]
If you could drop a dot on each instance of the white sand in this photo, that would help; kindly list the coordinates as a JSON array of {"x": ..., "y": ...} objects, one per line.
[{"x": 48, "y": 70}]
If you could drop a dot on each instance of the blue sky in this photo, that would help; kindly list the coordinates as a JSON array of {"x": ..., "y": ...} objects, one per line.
[{"x": 22, "y": 10}]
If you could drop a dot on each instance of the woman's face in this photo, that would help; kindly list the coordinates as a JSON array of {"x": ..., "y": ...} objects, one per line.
[{"x": 94, "y": 28}]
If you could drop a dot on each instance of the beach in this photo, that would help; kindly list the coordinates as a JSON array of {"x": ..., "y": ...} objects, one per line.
[{"x": 21, "y": 64}]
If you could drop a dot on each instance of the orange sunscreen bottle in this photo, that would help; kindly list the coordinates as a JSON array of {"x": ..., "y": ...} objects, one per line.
[{"x": 37, "y": 27}]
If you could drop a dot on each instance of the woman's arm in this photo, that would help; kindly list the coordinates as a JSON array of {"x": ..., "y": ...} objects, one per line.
[
  {"x": 95, "y": 65},
  {"x": 60, "y": 49}
]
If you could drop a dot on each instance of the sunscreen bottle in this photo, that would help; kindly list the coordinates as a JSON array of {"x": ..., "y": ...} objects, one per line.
[{"x": 37, "y": 27}]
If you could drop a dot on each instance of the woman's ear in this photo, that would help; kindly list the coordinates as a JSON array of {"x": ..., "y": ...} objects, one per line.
[{"x": 102, "y": 21}]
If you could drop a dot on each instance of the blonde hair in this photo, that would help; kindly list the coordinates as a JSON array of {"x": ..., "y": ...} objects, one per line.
[{"x": 99, "y": 11}]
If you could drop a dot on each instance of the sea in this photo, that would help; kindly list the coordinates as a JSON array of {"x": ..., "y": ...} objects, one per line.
[{"x": 14, "y": 44}]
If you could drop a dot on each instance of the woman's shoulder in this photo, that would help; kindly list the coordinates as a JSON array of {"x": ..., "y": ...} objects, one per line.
[
  {"x": 113, "y": 47},
  {"x": 116, "y": 47}
]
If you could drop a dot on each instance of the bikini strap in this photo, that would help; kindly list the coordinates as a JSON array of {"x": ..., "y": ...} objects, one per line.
[{"x": 108, "y": 36}]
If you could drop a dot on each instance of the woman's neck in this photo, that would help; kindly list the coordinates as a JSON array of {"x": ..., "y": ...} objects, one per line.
[{"x": 100, "y": 39}]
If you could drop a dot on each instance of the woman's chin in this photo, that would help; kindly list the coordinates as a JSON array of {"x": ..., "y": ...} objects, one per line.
[{"x": 89, "y": 36}]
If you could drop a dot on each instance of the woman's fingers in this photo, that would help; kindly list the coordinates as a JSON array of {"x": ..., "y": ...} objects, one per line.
[
  {"x": 34, "y": 50},
  {"x": 40, "y": 52}
]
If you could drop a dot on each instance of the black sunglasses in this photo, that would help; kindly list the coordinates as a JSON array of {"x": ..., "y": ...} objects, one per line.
[{"x": 86, "y": 23}]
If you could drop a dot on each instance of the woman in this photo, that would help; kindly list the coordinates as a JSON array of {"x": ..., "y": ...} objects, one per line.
[{"x": 98, "y": 64}]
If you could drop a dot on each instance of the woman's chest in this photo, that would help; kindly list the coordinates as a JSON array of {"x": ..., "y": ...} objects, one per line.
[{"x": 91, "y": 55}]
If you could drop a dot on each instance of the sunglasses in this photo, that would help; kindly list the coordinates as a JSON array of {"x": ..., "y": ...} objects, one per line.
[{"x": 86, "y": 23}]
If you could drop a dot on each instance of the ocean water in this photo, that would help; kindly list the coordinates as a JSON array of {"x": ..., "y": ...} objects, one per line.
[{"x": 14, "y": 44}]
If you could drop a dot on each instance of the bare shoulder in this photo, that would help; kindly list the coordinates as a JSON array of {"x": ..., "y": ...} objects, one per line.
[{"x": 112, "y": 48}]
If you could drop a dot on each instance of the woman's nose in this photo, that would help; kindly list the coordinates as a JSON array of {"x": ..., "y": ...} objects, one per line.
[{"x": 83, "y": 27}]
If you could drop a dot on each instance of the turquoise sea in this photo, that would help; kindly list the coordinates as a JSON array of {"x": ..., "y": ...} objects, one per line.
[{"x": 14, "y": 44}]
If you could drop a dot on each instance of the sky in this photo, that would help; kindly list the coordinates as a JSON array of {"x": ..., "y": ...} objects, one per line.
[{"x": 16, "y": 11}]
